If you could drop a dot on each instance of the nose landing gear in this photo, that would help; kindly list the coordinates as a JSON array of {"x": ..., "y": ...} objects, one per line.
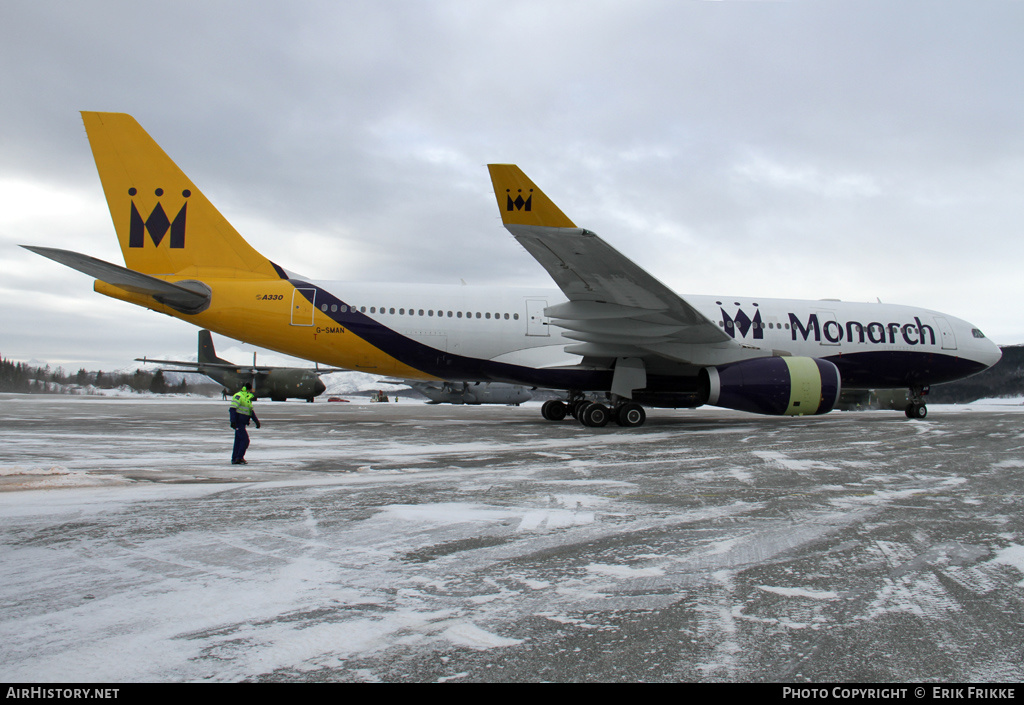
[{"x": 917, "y": 409}]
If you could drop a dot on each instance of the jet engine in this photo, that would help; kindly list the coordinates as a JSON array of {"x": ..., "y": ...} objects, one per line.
[{"x": 779, "y": 386}]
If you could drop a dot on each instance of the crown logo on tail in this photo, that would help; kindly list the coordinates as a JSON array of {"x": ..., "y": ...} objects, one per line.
[
  {"x": 157, "y": 224},
  {"x": 519, "y": 204}
]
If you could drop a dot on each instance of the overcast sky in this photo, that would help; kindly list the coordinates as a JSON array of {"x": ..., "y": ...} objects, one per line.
[{"x": 808, "y": 149}]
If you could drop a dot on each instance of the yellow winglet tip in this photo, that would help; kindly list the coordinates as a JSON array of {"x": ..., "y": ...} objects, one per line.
[{"x": 520, "y": 202}]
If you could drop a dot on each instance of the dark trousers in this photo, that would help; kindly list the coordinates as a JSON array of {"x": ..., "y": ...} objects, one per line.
[{"x": 241, "y": 440}]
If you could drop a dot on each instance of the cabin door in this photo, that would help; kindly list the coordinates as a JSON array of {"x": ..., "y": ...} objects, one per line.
[
  {"x": 536, "y": 321},
  {"x": 303, "y": 303}
]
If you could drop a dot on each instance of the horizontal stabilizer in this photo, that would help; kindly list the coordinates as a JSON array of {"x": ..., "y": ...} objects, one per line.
[
  {"x": 186, "y": 297},
  {"x": 197, "y": 365}
]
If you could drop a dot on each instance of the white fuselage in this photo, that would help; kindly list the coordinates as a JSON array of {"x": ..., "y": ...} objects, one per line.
[{"x": 875, "y": 345}]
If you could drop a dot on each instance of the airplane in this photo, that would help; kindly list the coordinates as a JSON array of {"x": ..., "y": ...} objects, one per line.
[
  {"x": 611, "y": 336},
  {"x": 472, "y": 392},
  {"x": 275, "y": 383}
]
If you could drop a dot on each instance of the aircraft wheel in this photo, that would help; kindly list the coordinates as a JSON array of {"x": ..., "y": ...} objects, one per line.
[
  {"x": 596, "y": 416},
  {"x": 916, "y": 411},
  {"x": 578, "y": 408},
  {"x": 631, "y": 415},
  {"x": 553, "y": 410}
]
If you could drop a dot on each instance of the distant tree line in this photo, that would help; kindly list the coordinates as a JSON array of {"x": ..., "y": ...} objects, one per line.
[
  {"x": 1004, "y": 379},
  {"x": 23, "y": 378}
]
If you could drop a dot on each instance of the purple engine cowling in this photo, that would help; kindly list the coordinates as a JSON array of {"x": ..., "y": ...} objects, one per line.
[{"x": 778, "y": 386}]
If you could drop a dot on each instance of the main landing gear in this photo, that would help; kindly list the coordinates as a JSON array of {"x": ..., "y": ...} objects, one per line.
[
  {"x": 595, "y": 414},
  {"x": 917, "y": 409}
]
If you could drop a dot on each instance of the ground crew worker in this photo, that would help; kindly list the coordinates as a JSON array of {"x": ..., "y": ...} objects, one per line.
[{"x": 240, "y": 412}]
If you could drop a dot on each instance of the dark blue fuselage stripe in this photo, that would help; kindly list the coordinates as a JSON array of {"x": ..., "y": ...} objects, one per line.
[
  {"x": 280, "y": 272},
  {"x": 901, "y": 368}
]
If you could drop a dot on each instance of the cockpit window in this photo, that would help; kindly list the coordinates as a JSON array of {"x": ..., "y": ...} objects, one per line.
[{"x": 977, "y": 333}]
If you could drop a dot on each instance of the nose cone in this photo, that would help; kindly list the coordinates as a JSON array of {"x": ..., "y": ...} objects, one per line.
[
  {"x": 318, "y": 387},
  {"x": 980, "y": 349},
  {"x": 991, "y": 354}
]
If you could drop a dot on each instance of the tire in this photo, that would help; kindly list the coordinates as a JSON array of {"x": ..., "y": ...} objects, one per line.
[
  {"x": 596, "y": 416},
  {"x": 631, "y": 415},
  {"x": 577, "y": 409},
  {"x": 916, "y": 411},
  {"x": 553, "y": 410}
]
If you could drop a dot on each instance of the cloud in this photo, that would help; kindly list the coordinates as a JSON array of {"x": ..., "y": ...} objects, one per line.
[{"x": 855, "y": 149}]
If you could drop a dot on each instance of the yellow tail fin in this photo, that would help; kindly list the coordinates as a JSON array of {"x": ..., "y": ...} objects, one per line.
[
  {"x": 521, "y": 202},
  {"x": 165, "y": 225}
]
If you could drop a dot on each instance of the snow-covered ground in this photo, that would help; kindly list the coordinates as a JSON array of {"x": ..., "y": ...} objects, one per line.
[{"x": 406, "y": 542}]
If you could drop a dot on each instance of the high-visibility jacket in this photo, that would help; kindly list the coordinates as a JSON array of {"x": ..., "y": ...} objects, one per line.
[{"x": 241, "y": 402}]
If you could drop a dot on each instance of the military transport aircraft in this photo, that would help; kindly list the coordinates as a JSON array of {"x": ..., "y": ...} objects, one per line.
[
  {"x": 275, "y": 383},
  {"x": 611, "y": 336},
  {"x": 471, "y": 392}
]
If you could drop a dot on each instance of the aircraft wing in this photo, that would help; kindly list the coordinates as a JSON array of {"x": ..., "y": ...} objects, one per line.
[
  {"x": 615, "y": 307},
  {"x": 241, "y": 369},
  {"x": 179, "y": 297}
]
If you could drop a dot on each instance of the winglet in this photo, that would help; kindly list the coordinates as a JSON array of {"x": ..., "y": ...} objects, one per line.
[{"x": 520, "y": 202}]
